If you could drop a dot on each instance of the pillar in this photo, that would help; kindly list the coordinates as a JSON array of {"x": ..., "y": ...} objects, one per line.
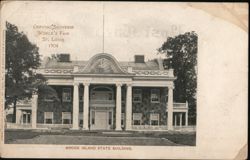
[
  {"x": 86, "y": 107},
  {"x": 118, "y": 107},
  {"x": 128, "y": 107},
  {"x": 170, "y": 108},
  {"x": 18, "y": 116},
  {"x": 34, "y": 110},
  {"x": 76, "y": 106}
]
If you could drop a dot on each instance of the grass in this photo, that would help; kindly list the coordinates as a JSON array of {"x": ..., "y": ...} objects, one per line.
[
  {"x": 176, "y": 137},
  {"x": 185, "y": 139}
]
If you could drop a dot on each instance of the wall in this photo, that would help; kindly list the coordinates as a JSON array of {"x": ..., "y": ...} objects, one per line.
[
  {"x": 57, "y": 107},
  {"x": 145, "y": 107}
]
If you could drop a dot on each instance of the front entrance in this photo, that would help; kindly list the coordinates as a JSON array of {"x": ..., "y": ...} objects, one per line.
[
  {"x": 101, "y": 119},
  {"x": 102, "y": 105}
]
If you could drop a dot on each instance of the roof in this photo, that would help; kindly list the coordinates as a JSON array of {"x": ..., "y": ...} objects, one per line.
[
  {"x": 104, "y": 63},
  {"x": 148, "y": 65}
]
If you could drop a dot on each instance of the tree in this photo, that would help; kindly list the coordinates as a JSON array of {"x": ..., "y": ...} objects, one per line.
[
  {"x": 181, "y": 55},
  {"x": 21, "y": 61}
]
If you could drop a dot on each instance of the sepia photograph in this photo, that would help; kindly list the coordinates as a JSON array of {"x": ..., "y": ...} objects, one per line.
[
  {"x": 102, "y": 76},
  {"x": 54, "y": 96}
]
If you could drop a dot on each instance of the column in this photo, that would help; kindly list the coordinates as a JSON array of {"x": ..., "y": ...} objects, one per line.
[
  {"x": 86, "y": 107},
  {"x": 181, "y": 119},
  {"x": 128, "y": 107},
  {"x": 118, "y": 107},
  {"x": 186, "y": 122},
  {"x": 18, "y": 116},
  {"x": 170, "y": 108},
  {"x": 34, "y": 110},
  {"x": 76, "y": 107}
]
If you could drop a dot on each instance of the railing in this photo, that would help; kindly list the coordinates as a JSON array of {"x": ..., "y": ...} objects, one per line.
[
  {"x": 149, "y": 127},
  {"x": 24, "y": 102},
  {"x": 38, "y": 126},
  {"x": 102, "y": 101},
  {"x": 54, "y": 71},
  {"x": 162, "y": 128},
  {"x": 49, "y": 126},
  {"x": 180, "y": 105},
  {"x": 154, "y": 72},
  {"x": 18, "y": 126}
]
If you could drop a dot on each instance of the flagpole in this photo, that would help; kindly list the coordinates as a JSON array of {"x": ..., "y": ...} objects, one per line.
[{"x": 103, "y": 28}]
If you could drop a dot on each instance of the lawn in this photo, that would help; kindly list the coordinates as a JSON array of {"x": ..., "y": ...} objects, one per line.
[{"x": 90, "y": 137}]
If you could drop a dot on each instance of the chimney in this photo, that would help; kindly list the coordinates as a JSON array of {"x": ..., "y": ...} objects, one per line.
[
  {"x": 171, "y": 72},
  {"x": 139, "y": 59},
  {"x": 45, "y": 61},
  {"x": 130, "y": 69},
  {"x": 76, "y": 69},
  {"x": 63, "y": 57},
  {"x": 160, "y": 63}
]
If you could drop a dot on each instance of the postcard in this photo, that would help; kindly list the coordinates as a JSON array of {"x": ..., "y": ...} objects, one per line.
[{"x": 134, "y": 80}]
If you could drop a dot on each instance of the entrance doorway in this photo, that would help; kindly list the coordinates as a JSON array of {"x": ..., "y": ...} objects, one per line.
[
  {"x": 101, "y": 119},
  {"x": 102, "y": 105}
]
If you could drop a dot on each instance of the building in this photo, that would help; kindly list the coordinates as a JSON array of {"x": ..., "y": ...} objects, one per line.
[{"x": 104, "y": 94}]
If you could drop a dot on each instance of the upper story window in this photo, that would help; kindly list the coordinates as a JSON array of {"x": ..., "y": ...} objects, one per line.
[
  {"x": 155, "y": 96},
  {"x": 137, "y": 95},
  {"x": 66, "y": 95},
  {"x": 102, "y": 93},
  {"x": 47, "y": 98}
]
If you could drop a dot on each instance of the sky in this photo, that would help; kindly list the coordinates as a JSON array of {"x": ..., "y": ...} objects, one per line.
[{"x": 124, "y": 29}]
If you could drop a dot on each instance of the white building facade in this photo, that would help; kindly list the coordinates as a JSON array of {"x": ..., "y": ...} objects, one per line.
[{"x": 104, "y": 94}]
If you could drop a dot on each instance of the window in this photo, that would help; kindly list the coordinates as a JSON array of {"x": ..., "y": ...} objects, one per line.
[
  {"x": 110, "y": 118},
  {"x": 155, "y": 96},
  {"x": 137, "y": 95},
  {"x": 66, "y": 117},
  {"x": 154, "y": 119},
  {"x": 66, "y": 95},
  {"x": 137, "y": 118},
  {"x": 48, "y": 99},
  {"x": 102, "y": 95},
  {"x": 93, "y": 117},
  {"x": 110, "y": 96},
  {"x": 48, "y": 117}
]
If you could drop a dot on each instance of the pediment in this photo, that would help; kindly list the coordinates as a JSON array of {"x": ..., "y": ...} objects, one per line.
[{"x": 103, "y": 64}]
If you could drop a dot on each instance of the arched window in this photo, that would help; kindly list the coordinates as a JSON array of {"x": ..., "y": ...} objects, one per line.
[{"x": 102, "y": 93}]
